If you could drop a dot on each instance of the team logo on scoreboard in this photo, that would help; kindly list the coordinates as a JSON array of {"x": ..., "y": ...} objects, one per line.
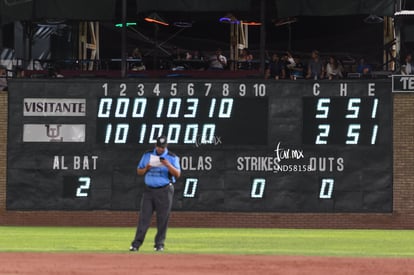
[{"x": 54, "y": 133}]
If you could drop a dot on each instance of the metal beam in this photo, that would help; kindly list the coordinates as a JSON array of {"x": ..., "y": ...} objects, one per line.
[{"x": 123, "y": 40}]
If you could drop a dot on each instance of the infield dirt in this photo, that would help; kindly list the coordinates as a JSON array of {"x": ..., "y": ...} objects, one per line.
[{"x": 183, "y": 264}]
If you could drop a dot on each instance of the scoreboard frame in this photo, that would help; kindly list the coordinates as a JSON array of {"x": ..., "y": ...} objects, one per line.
[{"x": 272, "y": 176}]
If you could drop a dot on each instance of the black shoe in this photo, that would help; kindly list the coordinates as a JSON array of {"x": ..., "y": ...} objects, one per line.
[
  {"x": 133, "y": 248},
  {"x": 159, "y": 247}
]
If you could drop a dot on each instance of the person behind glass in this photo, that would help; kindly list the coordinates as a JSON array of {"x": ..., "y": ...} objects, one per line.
[
  {"x": 54, "y": 72},
  {"x": 364, "y": 68},
  {"x": 407, "y": 65},
  {"x": 288, "y": 63},
  {"x": 3, "y": 79},
  {"x": 20, "y": 72},
  {"x": 218, "y": 61},
  {"x": 178, "y": 58},
  {"x": 245, "y": 59},
  {"x": 333, "y": 68},
  {"x": 137, "y": 64},
  {"x": 198, "y": 55},
  {"x": 177, "y": 54},
  {"x": 290, "y": 60},
  {"x": 198, "y": 58},
  {"x": 276, "y": 69},
  {"x": 160, "y": 168},
  {"x": 316, "y": 68},
  {"x": 297, "y": 70}
]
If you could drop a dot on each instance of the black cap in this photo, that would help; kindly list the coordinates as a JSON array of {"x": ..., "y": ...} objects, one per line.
[{"x": 162, "y": 141}]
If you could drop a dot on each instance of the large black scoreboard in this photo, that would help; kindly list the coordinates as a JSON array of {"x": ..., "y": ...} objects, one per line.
[{"x": 244, "y": 145}]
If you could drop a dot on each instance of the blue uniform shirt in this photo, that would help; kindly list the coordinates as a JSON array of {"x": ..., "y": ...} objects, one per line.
[{"x": 159, "y": 176}]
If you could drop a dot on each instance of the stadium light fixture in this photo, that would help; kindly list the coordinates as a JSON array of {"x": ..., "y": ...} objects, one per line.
[
  {"x": 155, "y": 18},
  {"x": 373, "y": 19},
  {"x": 183, "y": 24},
  {"x": 285, "y": 21},
  {"x": 229, "y": 18},
  {"x": 251, "y": 23},
  {"x": 119, "y": 25}
]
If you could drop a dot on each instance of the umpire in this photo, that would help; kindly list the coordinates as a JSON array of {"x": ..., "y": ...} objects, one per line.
[{"x": 160, "y": 168}]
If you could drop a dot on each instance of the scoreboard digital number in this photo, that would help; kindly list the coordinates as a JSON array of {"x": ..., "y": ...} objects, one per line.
[
  {"x": 184, "y": 121},
  {"x": 244, "y": 145}
]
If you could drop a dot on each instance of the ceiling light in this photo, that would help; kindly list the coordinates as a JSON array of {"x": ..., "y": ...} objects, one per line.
[
  {"x": 251, "y": 23},
  {"x": 119, "y": 25},
  {"x": 155, "y": 18},
  {"x": 183, "y": 24},
  {"x": 373, "y": 19},
  {"x": 285, "y": 21},
  {"x": 229, "y": 18}
]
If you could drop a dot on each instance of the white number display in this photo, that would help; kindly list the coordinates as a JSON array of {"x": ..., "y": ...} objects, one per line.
[
  {"x": 226, "y": 89},
  {"x": 258, "y": 188},
  {"x": 208, "y": 88},
  {"x": 171, "y": 108},
  {"x": 173, "y": 89},
  {"x": 122, "y": 105},
  {"x": 121, "y": 133},
  {"x": 259, "y": 90},
  {"x": 193, "y": 105},
  {"x": 190, "y": 89},
  {"x": 140, "y": 88},
  {"x": 353, "y": 107},
  {"x": 353, "y": 134},
  {"x": 327, "y": 187},
  {"x": 174, "y": 105},
  {"x": 323, "y": 134},
  {"x": 105, "y": 87},
  {"x": 323, "y": 108},
  {"x": 123, "y": 88},
  {"x": 353, "y": 118},
  {"x": 190, "y": 187},
  {"x": 242, "y": 89},
  {"x": 105, "y": 107},
  {"x": 139, "y": 107},
  {"x": 374, "y": 108},
  {"x": 156, "y": 89},
  {"x": 374, "y": 134},
  {"x": 84, "y": 186}
]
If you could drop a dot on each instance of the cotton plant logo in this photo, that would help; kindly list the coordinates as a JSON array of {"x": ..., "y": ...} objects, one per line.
[{"x": 53, "y": 132}]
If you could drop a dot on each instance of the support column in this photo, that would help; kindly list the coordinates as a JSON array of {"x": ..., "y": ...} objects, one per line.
[
  {"x": 389, "y": 54},
  {"x": 88, "y": 45}
]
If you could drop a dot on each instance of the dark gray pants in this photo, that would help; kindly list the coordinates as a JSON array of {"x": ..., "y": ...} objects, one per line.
[{"x": 158, "y": 200}]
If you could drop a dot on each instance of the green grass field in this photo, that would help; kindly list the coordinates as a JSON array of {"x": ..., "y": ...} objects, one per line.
[{"x": 360, "y": 243}]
